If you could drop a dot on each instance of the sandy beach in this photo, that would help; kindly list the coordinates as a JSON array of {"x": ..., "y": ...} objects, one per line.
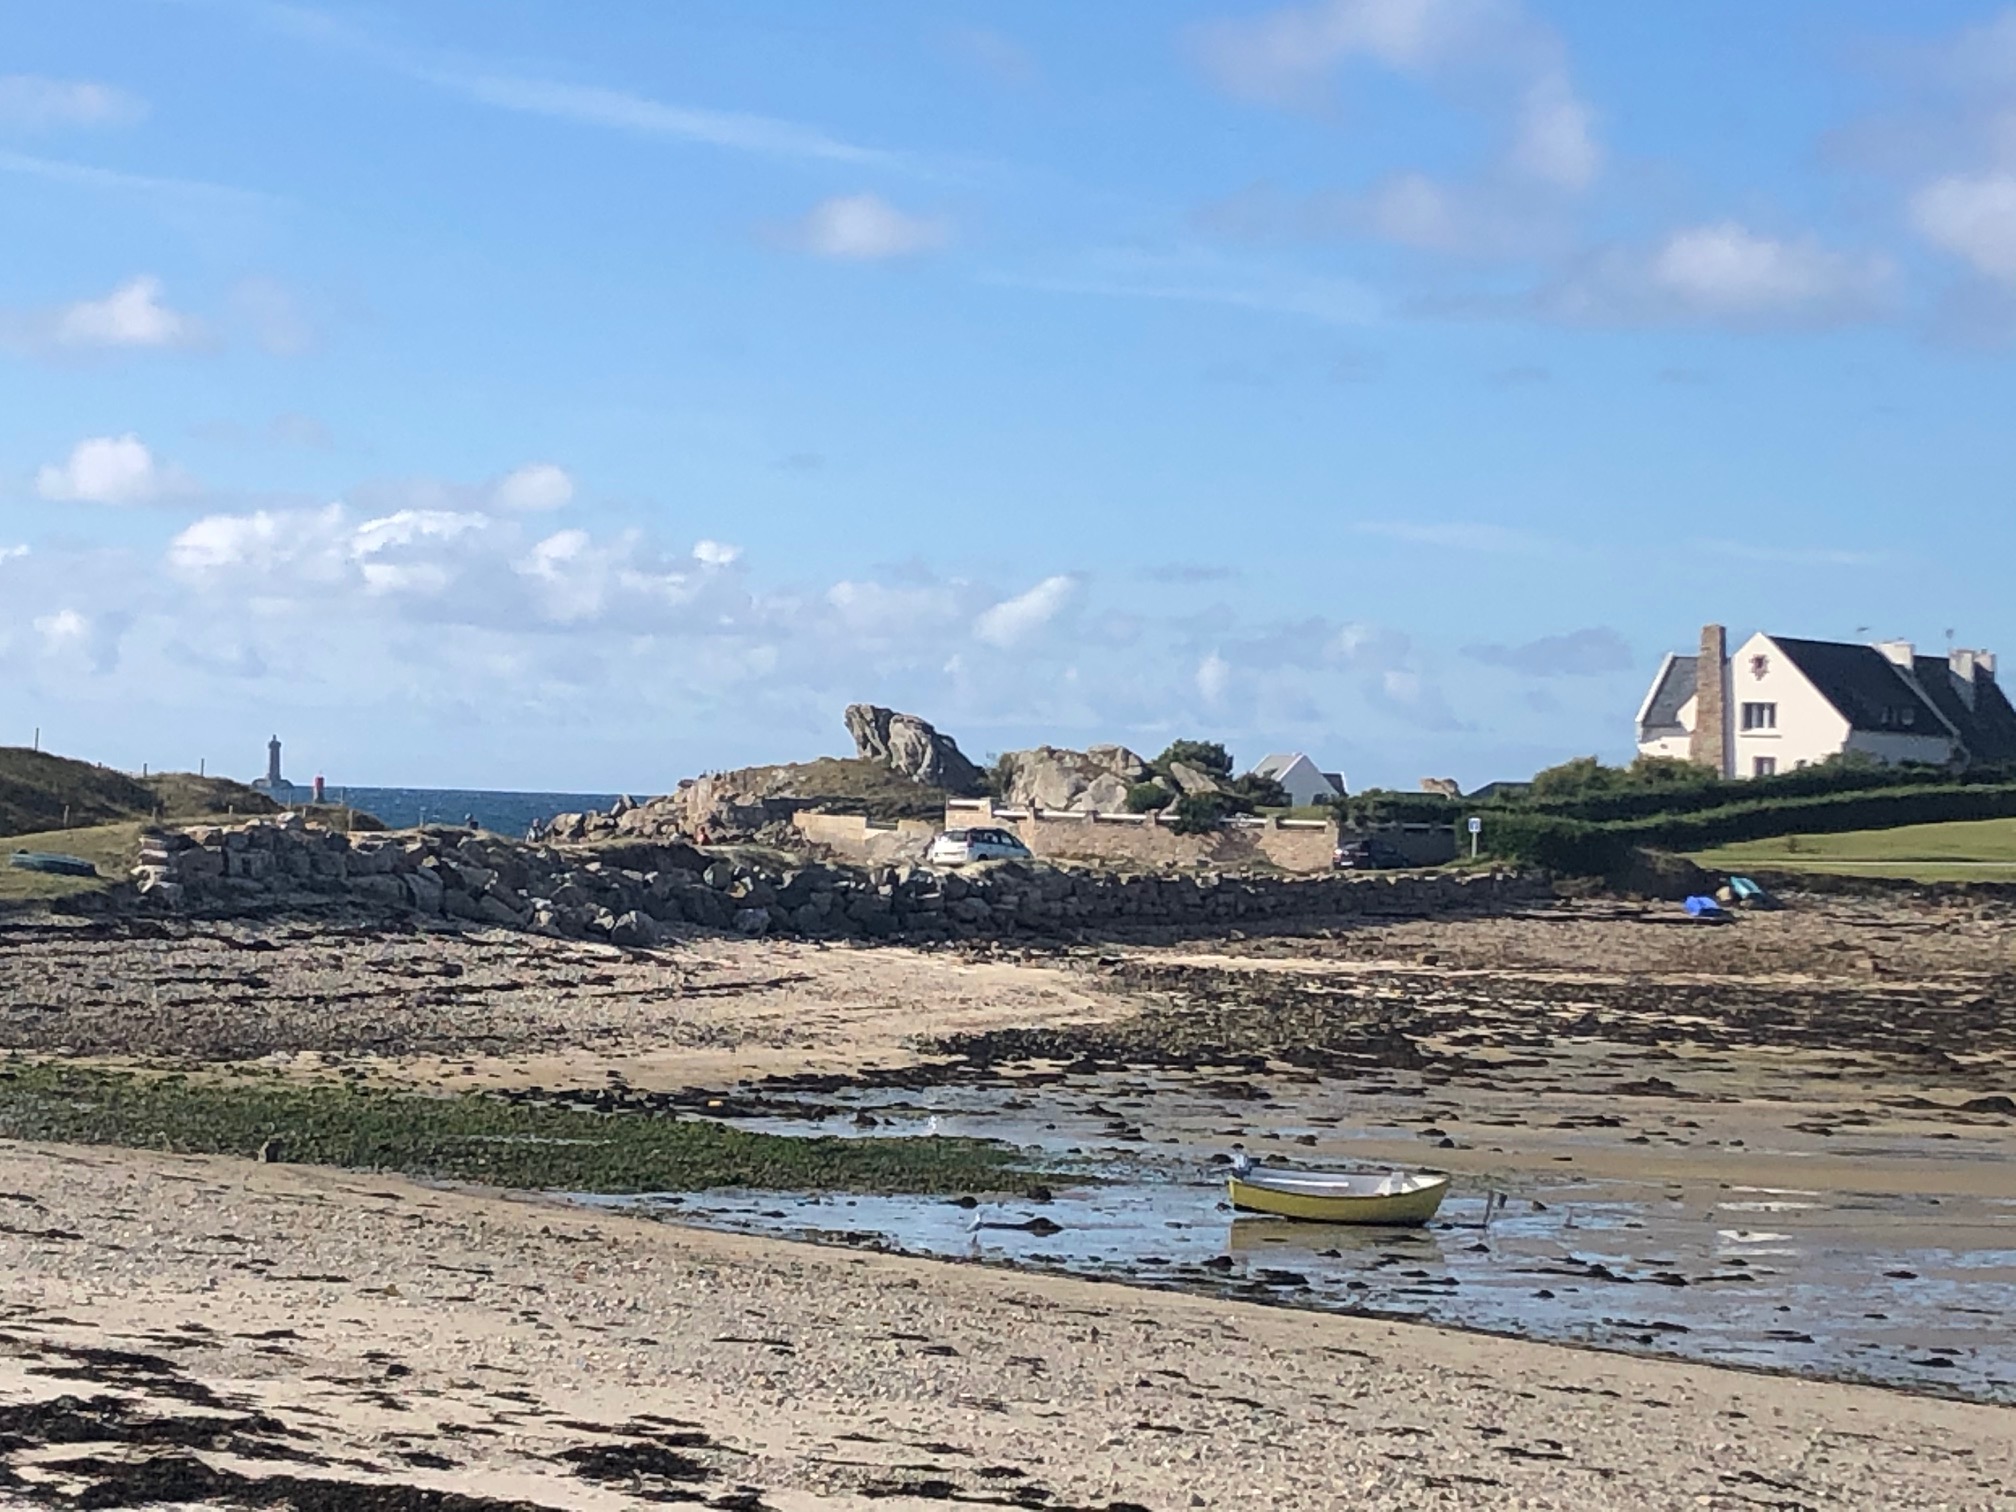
[
  {"x": 376, "y": 1332},
  {"x": 386, "y": 1333}
]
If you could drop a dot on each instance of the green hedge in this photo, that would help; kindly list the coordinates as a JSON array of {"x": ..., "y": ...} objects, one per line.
[
  {"x": 1808, "y": 782},
  {"x": 1576, "y": 846}
]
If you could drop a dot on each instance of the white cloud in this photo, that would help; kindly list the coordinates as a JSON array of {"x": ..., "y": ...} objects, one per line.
[
  {"x": 27, "y": 100},
  {"x": 1727, "y": 274},
  {"x": 867, "y": 228},
  {"x": 894, "y": 612},
  {"x": 1973, "y": 217},
  {"x": 1287, "y": 55},
  {"x": 716, "y": 553},
  {"x": 274, "y": 317},
  {"x": 110, "y": 470},
  {"x": 1488, "y": 56},
  {"x": 592, "y": 106},
  {"x": 260, "y": 544},
  {"x": 63, "y": 627},
  {"x": 533, "y": 488},
  {"x": 190, "y": 193},
  {"x": 132, "y": 315},
  {"x": 1014, "y": 620},
  {"x": 12, "y": 554},
  {"x": 1214, "y": 676},
  {"x": 1727, "y": 269},
  {"x": 1555, "y": 141}
]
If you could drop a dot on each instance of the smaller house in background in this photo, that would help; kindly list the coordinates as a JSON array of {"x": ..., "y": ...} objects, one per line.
[{"x": 1300, "y": 779}]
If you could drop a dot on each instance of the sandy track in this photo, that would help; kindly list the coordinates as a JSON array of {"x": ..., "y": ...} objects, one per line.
[{"x": 406, "y": 1335}]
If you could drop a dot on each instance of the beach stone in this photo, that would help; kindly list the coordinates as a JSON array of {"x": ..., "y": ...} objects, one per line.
[
  {"x": 752, "y": 921},
  {"x": 633, "y": 928},
  {"x": 425, "y": 890}
]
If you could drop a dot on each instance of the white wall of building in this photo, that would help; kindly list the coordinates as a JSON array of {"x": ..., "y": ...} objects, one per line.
[
  {"x": 1304, "y": 782},
  {"x": 1807, "y": 727}
]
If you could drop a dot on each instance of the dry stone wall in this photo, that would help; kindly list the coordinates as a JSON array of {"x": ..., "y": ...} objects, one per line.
[{"x": 634, "y": 895}]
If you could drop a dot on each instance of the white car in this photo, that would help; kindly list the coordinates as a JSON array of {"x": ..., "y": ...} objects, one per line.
[{"x": 956, "y": 847}]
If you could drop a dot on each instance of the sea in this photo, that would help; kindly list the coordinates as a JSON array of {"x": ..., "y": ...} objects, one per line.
[{"x": 501, "y": 813}]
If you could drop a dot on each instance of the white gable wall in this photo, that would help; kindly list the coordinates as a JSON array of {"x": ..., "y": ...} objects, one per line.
[
  {"x": 1304, "y": 783},
  {"x": 1808, "y": 729}
]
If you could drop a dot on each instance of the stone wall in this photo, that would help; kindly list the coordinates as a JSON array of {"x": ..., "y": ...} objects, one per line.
[
  {"x": 635, "y": 895},
  {"x": 1146, "y": 840},
  {"x": 1291, "y": 845}
]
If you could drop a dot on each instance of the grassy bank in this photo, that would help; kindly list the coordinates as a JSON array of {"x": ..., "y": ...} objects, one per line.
[
  {"x": 1981, "y": 850},
  {"x": 112, "y": 848},
  {"x": 473, "y": 1137}
]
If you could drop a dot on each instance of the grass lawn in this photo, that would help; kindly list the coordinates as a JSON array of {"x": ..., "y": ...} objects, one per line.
[
  {"x": 112, "y": 847},
  {"x": 1975, "y": 850}
]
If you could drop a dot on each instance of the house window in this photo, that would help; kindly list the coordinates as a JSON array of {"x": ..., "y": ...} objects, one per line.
[
  {"x": 1760, "y": 716},
  {"x": 1764, "y": 766}
]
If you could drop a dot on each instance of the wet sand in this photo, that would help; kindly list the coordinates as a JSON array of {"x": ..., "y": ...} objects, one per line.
[{"x": 220, "y": 1324}]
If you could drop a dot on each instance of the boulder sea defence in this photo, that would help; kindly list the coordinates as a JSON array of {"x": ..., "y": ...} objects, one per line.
[{"x": 633, "y": 894}]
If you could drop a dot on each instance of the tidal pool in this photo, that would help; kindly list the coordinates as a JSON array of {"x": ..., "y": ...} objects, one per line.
[{"x": 1838, "y": 1293}]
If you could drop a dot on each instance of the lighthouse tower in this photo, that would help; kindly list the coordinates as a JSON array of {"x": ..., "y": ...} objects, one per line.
[{"x": 273, "y": 784}]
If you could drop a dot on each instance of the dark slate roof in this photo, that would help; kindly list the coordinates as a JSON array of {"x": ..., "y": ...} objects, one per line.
[
  {"x": 1675, "y": 687},
  {"x": 1988, "y": 730},
  {"x": 1860, "y": 681}
]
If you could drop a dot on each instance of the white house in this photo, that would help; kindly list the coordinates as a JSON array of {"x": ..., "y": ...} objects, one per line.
[
  {"x": 1781, "y": 703},
  {"x": 1299, "y": 777}
]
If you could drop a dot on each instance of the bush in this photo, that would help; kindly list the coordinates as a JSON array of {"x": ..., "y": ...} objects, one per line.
[
  {"x": 1144, "y": 797},
  {"x": 1377, "y": 806},
  {"x": 1199, "y": 813},
  {"x": 1569, "y": 846},
  {"x": 1206, "y": 755},
  {"x": 1254, "y": 791}
]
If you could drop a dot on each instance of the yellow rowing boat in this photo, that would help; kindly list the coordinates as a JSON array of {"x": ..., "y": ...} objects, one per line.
[{"x": 1384, "y": 1197}]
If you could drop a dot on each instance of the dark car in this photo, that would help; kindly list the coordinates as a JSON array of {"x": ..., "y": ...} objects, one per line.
[{"x": 1370, "y": 854}]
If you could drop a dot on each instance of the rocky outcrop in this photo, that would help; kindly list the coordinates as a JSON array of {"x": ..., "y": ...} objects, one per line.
[
  {"x": 1094, "y": 780},
  {"x": 638, "y": 895},
  {"x": 1190, "y": 779},
  {"x": 910, "y": 747}
]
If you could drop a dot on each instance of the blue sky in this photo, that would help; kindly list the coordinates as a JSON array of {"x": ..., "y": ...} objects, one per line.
[{"x": 480, "y": 396}]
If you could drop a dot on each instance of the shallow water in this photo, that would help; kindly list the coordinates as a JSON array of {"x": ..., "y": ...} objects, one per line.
[
  {"x": 1582, "y": 1267},
  {"x": 1904, "y": 1290}
]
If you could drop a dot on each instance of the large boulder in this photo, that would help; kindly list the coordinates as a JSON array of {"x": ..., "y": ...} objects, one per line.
[
  {"x": 1080, "y": 782},
  {"x": 911, "y": 747},
  {"x": 1191, "y": 779}
]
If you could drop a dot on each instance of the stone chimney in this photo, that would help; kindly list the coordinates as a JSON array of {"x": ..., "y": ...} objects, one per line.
[
  {"x": 1709, "y": 745},
  {"x": 1902, "y": 652}
]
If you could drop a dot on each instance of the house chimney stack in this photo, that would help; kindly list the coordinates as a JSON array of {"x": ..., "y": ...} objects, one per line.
[
  {"x": 1709, "y": 745},
  {"x": 1962, "y": 663},
  {"x": 1901, "y": 652}
]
